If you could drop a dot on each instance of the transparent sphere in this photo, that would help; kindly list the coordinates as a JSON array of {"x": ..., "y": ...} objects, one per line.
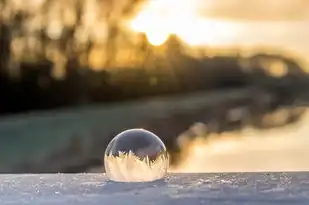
[{"x": 136, "y": 155}]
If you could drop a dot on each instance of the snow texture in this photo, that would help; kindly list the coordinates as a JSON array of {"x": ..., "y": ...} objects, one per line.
[{"x": 180, "y": 189}]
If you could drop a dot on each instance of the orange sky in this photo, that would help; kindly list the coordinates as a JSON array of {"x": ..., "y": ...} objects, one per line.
[
  {"x": 279, "y": 24},
  {"x": 257, "y": 9}
]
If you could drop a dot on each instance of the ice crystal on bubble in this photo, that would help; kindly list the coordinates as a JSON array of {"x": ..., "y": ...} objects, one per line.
[{"x": 136, "y": 155}]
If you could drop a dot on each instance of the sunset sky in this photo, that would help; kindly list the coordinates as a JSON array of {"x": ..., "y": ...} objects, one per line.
[
  {"x": 274, "y": 23},
  {"x": 257, "y": 9}
]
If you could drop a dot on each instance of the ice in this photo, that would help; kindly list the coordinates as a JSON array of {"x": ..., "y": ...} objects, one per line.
[
  {"x": 133, "y": 152},
  {"x": 180, "y": 189}
]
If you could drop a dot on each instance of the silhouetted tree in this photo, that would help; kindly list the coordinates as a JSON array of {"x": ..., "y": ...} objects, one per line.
[{"x": 45, "y": 55}]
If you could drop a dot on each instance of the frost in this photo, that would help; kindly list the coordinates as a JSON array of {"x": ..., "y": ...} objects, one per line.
[{"x": 127, "y": 167}]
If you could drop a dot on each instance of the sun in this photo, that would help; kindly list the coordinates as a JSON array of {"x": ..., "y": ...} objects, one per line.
[
  {"x": 158, "y": 19},
  {"x": 152, "y": 24}
]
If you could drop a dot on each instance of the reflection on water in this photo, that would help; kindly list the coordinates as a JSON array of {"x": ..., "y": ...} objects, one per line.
[{"x": 277, "y": 149}]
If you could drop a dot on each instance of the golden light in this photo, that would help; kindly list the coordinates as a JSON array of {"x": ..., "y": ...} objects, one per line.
[
  {"x": 151, "y": 25},
  {"x": 160, "y": 18},
  {"x": 157, "y": 38}
]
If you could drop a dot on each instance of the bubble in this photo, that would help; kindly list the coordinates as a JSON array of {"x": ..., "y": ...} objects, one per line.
[{"x": 136, "y": 155}]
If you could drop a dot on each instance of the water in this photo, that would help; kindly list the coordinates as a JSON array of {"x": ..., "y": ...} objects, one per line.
[
  {"x": 53, "y": 141},
  {"x": 250, "y": 150},
  {"x": 46, "y": 141}
]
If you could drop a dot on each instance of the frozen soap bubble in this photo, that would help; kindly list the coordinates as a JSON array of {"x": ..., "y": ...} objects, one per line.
[{"x": 136, "y": 155}]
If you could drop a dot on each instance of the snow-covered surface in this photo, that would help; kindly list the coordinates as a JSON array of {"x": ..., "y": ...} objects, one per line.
[{"x": 181, "y": 189}]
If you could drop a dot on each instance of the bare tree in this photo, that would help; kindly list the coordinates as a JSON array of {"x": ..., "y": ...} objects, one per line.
[{"x": 119, "y": 11}]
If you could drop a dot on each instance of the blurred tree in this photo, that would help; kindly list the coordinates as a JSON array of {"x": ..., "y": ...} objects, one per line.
[
  {"x": 5, "y": 44},
  {"x": 116, "y": 13},
  {"x": 64, "y": 28}
]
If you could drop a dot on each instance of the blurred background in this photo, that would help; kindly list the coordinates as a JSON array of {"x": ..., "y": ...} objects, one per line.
[{"x": 224, "y": 83}]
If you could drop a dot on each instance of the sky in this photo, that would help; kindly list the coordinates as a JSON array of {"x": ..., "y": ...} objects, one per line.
[
  {"x": 245, "y": 22},
  {"x": 257, "y": 9}
]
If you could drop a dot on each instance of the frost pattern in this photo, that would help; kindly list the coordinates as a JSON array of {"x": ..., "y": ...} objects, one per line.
[{"x": 127, "y": 167}]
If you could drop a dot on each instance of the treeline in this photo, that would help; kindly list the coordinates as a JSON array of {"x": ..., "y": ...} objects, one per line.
[
  {"x": 37, "y": 42},
  {"x": 36, "y": 89}
]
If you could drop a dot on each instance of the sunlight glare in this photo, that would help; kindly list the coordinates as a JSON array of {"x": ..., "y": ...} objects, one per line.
[
  {"x": 160, "y": 18},
  {"x": 156, "y": 32}
]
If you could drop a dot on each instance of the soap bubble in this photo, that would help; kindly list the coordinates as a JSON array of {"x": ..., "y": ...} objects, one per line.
[{"x": 136, "y": 155}]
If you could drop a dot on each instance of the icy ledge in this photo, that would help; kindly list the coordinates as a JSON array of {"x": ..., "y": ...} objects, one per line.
[{"x": 180, "y": 189}]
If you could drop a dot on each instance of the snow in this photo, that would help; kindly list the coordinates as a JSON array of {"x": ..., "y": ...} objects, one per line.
[{"x": 192, "y": 189}]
